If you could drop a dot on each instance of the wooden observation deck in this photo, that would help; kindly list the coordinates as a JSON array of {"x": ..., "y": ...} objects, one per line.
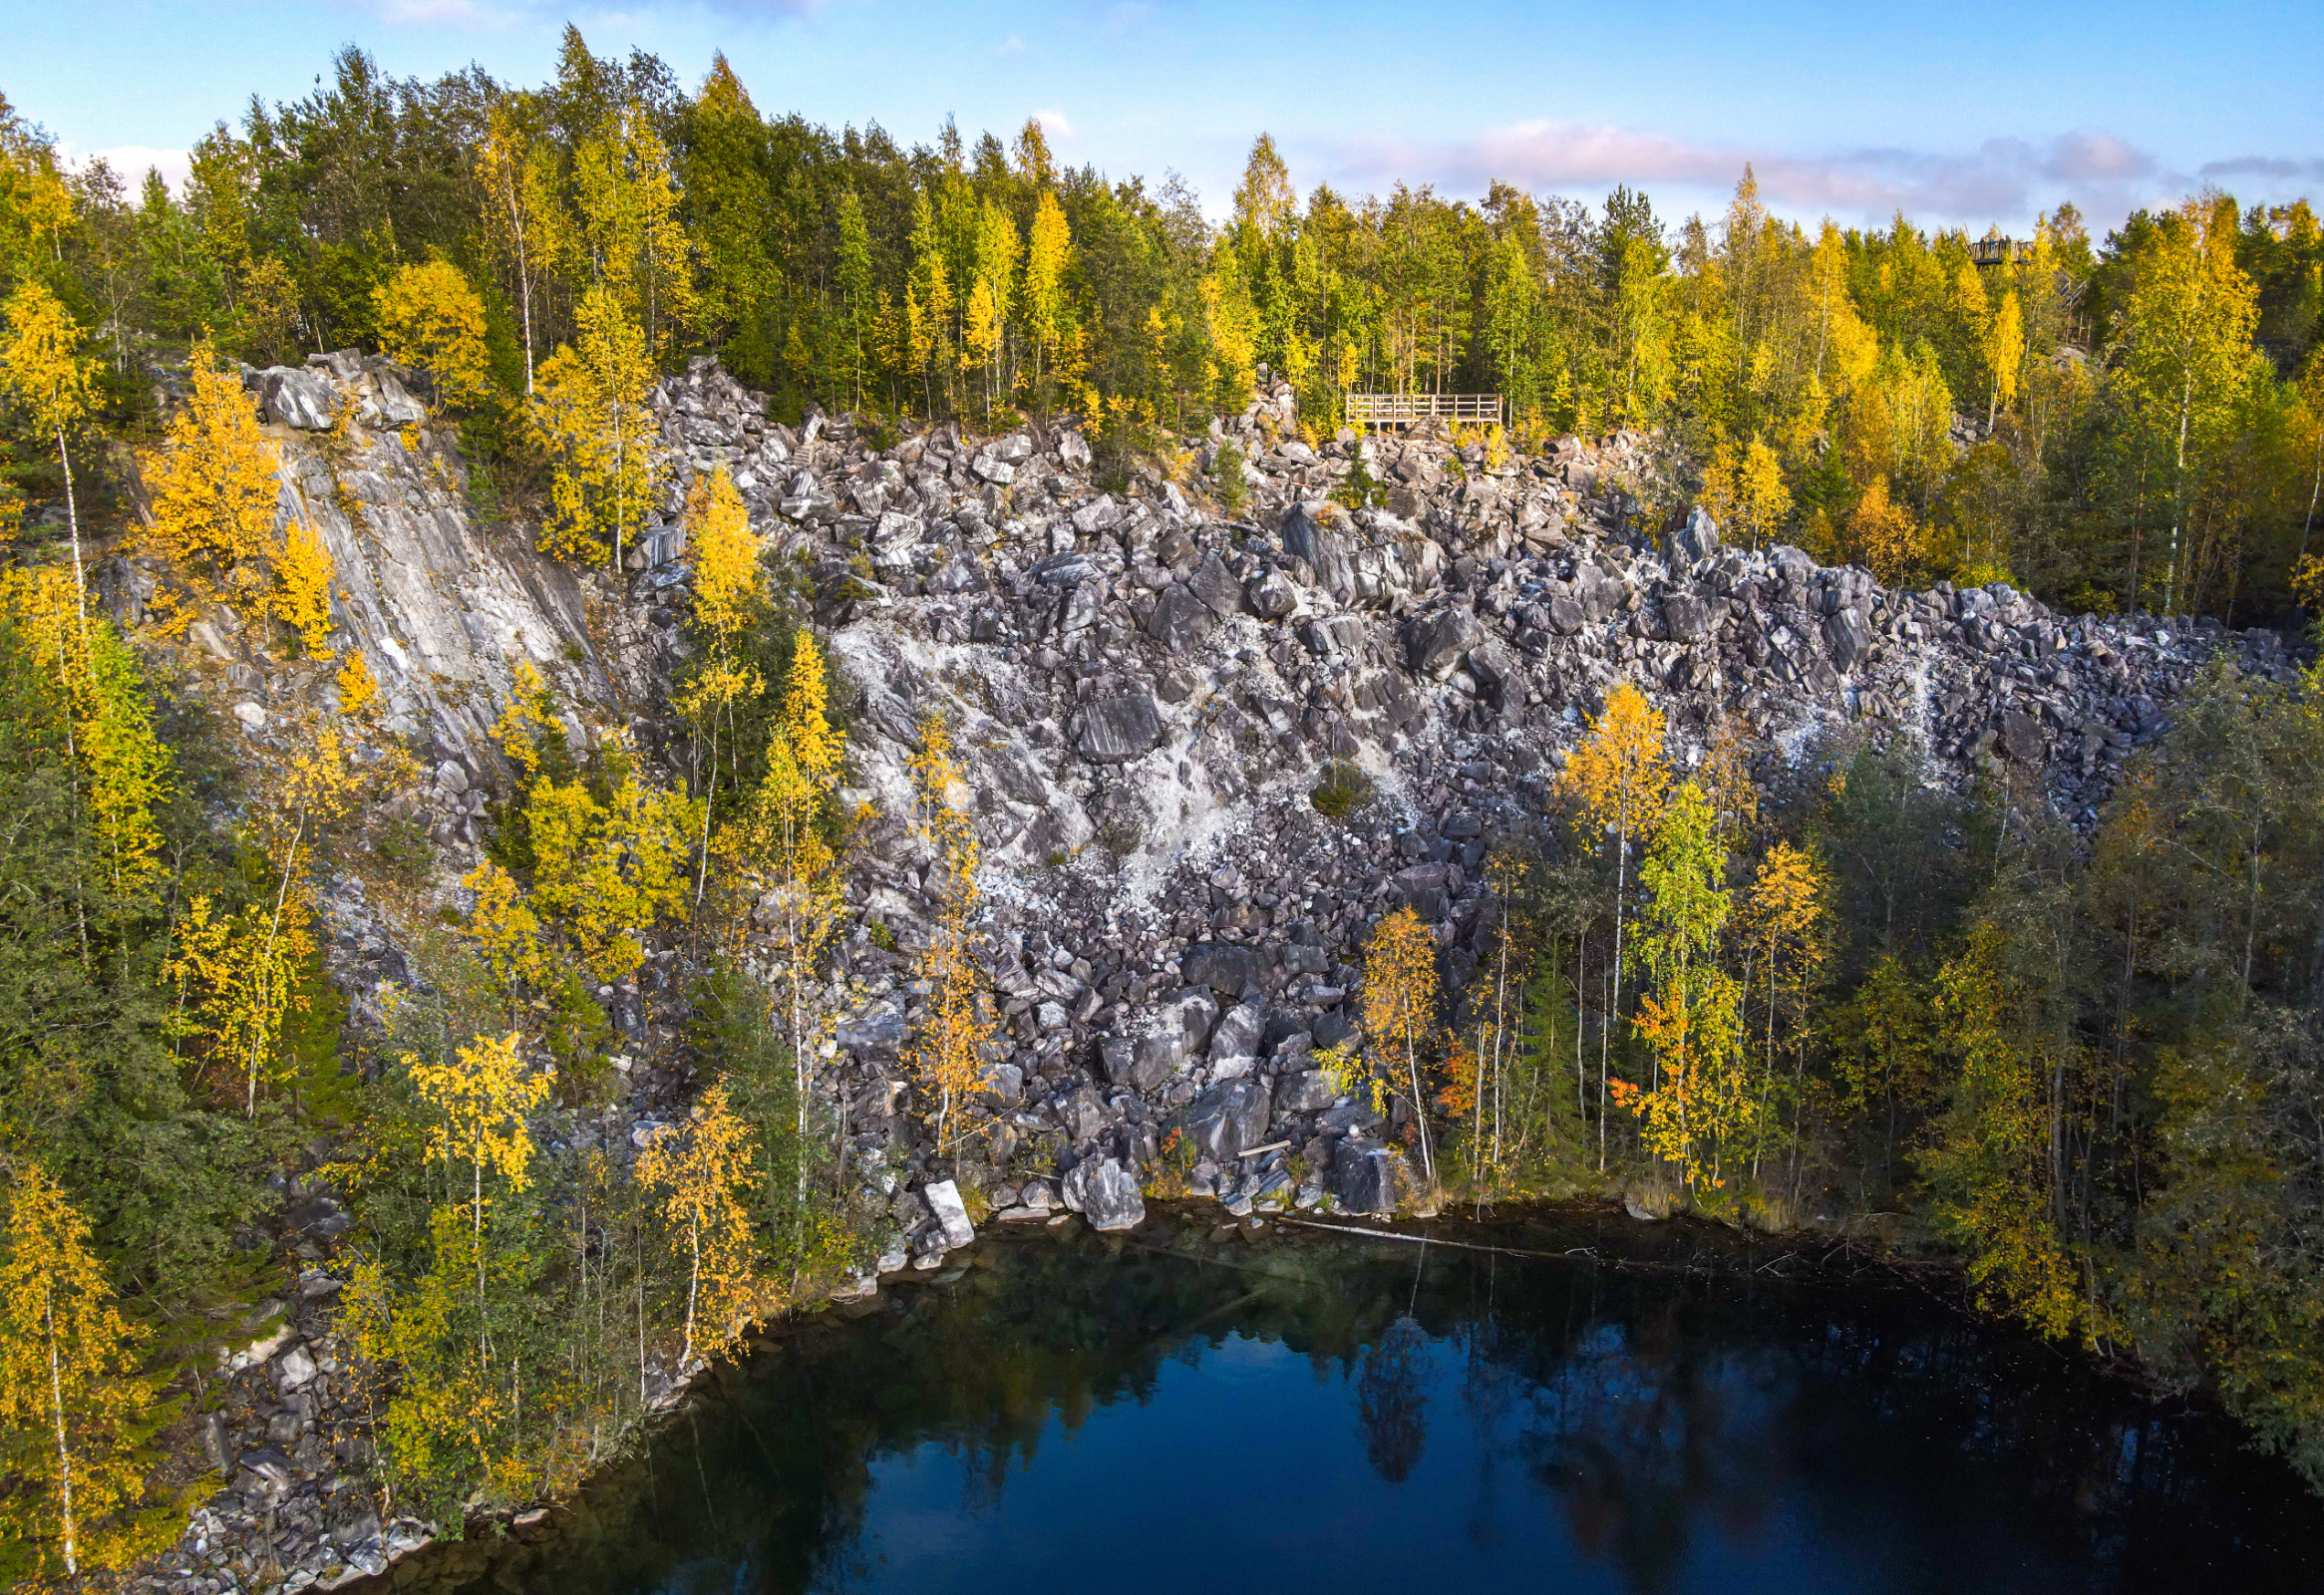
[{"x": 1369, "y": 410}]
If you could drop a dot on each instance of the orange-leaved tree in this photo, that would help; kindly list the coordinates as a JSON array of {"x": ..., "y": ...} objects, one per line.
[
  {"x": 1400, "y": 1009},
  {"x": 1618, "y": 780}
]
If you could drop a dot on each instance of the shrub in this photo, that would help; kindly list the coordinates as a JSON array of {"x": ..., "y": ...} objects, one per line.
[{"x": 1344, "y": 790}]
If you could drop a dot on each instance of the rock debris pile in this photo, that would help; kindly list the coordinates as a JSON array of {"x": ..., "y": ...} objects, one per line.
[{"x": 1144, "y": 692}]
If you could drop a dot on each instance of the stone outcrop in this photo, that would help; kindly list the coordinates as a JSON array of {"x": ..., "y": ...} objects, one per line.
[{"x": 1144, "y": 695}]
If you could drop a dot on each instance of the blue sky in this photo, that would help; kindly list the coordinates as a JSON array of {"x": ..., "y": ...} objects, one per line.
[{"x": 1969, "y": 113}]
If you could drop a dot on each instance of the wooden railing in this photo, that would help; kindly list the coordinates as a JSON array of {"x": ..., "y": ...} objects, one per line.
[{"x": 1403, "y": 409}]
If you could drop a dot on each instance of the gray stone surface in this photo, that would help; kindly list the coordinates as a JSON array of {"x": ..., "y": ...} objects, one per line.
[{"x": 1105, "y": 1191}]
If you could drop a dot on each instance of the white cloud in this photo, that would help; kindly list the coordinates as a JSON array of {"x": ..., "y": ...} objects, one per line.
[
  {"x": 1054, "y": 124},
  {"x": 2006, "y": 180},
  {"x": 129, "y": 163},
  {"x": 1011, "y": 46}
]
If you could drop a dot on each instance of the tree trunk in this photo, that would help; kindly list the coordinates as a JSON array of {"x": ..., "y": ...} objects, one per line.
[
  {"x": 72, "y": 523},
  {"x": 64, "y": 1452}
]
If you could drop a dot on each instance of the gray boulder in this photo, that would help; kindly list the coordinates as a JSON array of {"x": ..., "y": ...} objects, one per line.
[
  {"x": 1308, "y": 1092},
  {"x": 1237, "y": 1035},
  {"x": 1697, "y": 539},
  {"x": 1436, "y": 645},
  {"x": 1685, "y": 616},
  {"x": 1226, "y": 1119},
  {"x": 1104, "y": 1191},
  {"x": 1113, "y": 731},
  {"x": 1271, "y": 596},
  {"x": 1179, "y": 620},
  {"x": 1850, "y": 637},
  {"x": 944, "y": 1203},
  {"x": 1145, "y": 1059},
  {"x": 1219, "y": 592},
  {"x": 305, "y": 400},
  {"x": 396, "y": 406},
  {"x": 2022, "y": 738},
  {"x": 1223, "y": 966},
  {"x": 1364, "y": 1176}
]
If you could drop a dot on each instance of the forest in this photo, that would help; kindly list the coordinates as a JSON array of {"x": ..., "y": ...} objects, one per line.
[{"x": 2085, "y": 1063}]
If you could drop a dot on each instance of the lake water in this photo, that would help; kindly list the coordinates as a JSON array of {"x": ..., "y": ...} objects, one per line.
[{"x": 1296, "y": 1410}]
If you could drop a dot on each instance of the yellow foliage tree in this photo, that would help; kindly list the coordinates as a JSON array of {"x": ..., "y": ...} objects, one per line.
[
  {"x": 358, "y": 687},
  {"x": 630, "y": 227},
  {"x": 506, "y": 930},
  {"x": 1745, "y": 490},
  {"x": 1048, "y": 253},
  {"x": 45, "y": 376},
  {"x": 590, "y": 419},
  {"x": 726, "y": 597},
  {"x": 525, "y": 223},
  {"x": 236, "y": 979},
  {"x": 68, "y": 1382},
  {"x": 946, "y": 1057},
  {"x": 705, "y": 1169},
  {"x": 1785, "y": 927},
  {"x": 607, "y": 871},
  {"x": 1400, "y": 1008},
  {"x": 430, "y": 317},
  {"x": 1883, "y": 535},
  {"x": 480, "y": 1102},
  {"x": 215, "y": 485},
  {"x": 2005, "y": 353},
  {"x": 1700, "y": 1102},
  {"x": 122, "y": 769},
  {"x": 303, "y": 573},
  {"x": 781, "y": 857},
  {"x": 1617, "y": 780}
]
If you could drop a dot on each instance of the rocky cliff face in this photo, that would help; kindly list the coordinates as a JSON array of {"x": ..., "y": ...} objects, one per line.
[{"x": 1145, "y": 692}]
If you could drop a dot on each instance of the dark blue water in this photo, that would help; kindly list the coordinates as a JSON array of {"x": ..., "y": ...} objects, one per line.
[{"x": 1310, "y": 1413}]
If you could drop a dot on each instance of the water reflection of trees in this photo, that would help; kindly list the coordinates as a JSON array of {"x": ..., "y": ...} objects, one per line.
[
  {"x": 1637, "y": 1408},
  {"x": 1392, "y": 1400}
]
